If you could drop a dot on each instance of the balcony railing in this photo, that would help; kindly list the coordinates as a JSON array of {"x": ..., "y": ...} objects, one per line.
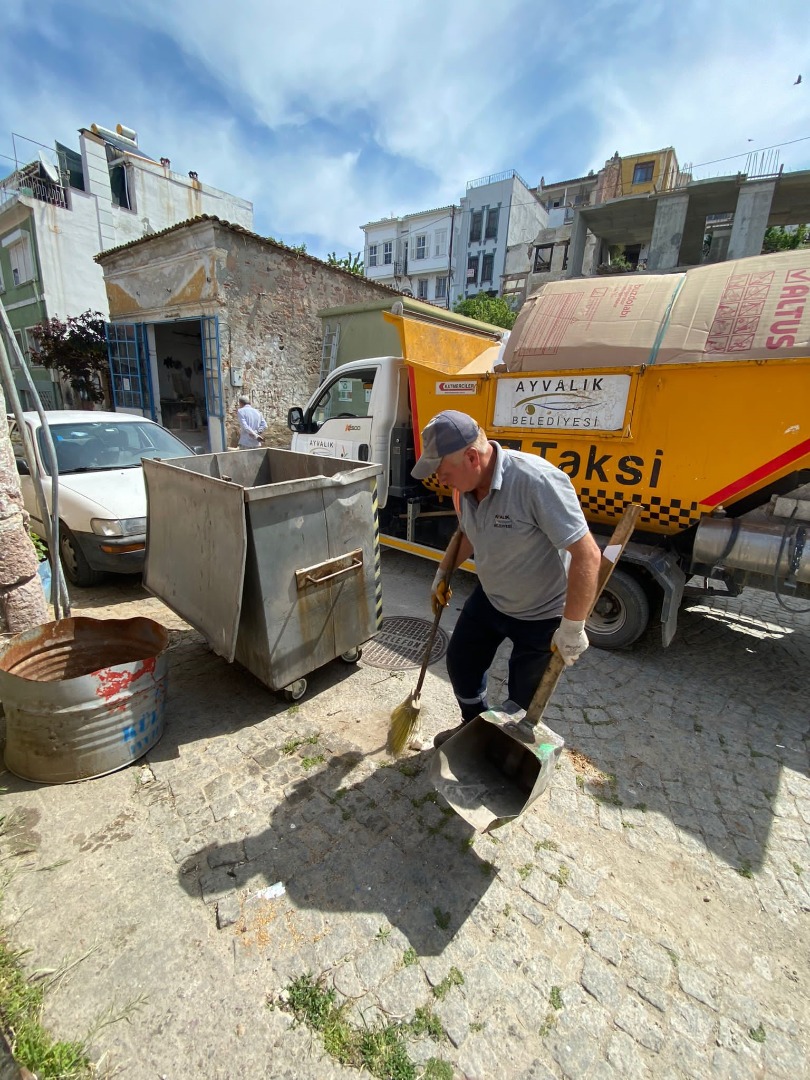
[{"x": 35, "y": 188}]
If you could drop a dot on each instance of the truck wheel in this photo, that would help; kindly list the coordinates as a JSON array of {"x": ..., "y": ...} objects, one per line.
[
  {"x": 296, "y": 690},
  {"x": 77, "y": 569},
  {"x": 621, "y": 613}
]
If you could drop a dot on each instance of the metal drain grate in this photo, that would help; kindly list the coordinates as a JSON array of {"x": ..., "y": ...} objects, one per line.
[{"x": 401, "y": 644}]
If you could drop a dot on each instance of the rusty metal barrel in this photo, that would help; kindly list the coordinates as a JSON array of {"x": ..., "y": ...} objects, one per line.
[{"x": 82, "y": 697}]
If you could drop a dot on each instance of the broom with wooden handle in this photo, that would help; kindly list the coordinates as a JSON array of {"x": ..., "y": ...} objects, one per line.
[{"x": 405, "y": 717}]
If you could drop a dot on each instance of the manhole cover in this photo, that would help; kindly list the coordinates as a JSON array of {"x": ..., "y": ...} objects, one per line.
[{"x": 401, "y": 643}]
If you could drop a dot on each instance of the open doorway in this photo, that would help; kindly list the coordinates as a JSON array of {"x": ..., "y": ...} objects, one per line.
[{"x": 181, "y": 380}]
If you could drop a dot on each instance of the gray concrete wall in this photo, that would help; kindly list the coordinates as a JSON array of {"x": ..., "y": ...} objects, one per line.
[
  {"x": 670, "y": 219},
  {"x": 751, "y": 218}
]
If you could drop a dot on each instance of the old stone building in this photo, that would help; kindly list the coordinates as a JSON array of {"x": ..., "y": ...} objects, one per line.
[{"x": 205, "y": 311}]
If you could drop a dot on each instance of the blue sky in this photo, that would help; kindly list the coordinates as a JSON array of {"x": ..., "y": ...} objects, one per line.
[{"x": 328, "y": 115}]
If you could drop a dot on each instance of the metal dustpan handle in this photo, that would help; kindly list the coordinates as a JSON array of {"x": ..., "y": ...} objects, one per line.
[{"x": 610, "y": 556}]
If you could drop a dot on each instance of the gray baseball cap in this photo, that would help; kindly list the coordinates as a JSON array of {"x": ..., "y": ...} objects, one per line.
[{"x": 447, "y": 432}]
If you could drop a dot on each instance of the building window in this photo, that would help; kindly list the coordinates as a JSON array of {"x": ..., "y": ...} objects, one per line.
[
  {"x": 422, "y": 288},
  {"x": 487, "y": 266},
  {"x": 542, "y": 258},
  {"x": 441, "y": 242},
  {"x": 476, "y": 223},
  {"x": 472, "y": 270},
  {"x": 19, "y": 254},
  {"x": 491, "y": 230},
  {"x": 388, "y": 252},
  {"x": 643, "y": 172},
  {"x": 421, "y": 247},
  {"x": 372, "y": 254},
  {"x": 441, "y": 288}
]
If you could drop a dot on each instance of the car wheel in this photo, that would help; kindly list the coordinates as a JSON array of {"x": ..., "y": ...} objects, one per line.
[
  {"x": 621, "y": 614},
  {"x": 77, "y": 569}
]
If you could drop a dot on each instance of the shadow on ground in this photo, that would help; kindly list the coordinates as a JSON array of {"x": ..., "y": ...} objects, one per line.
[{"x": 382, "y": 846}]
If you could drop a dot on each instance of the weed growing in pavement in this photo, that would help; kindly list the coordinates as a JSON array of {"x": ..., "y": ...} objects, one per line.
[
  {"x": 442, "y": 918},
  {"x": 757, "y": 1034},
  {"x": 451, "y": 979},
  {"x": 562, "y": 875},
  {"x": 487, "y": 868},
  {"x": 642, "y": 806},
  {"x": 291, "y": 745},
  {"x": 380, "y": 1049},
  {"x": 547, "y": 1026},
  {"x": 383, "y": 933},
  {"x": 311, "y": 762},
  {"x": 21, "y": 1003},
  {"x": 673, "y": 956},
  {"x": 436, "y": 1069},
  {"x": 744, "y": 869},
  {"x": 798, "y": 868},
  {"x": 555, "y": 998},
  {"x": 477, "y": 1026},
  {"x": 431, "y": 797},
  {"x": 408, "y": 770},
  {"x": 466, "y": 844},
  {"x": 425, "y": 1022},
  {"x": 546, "y": 845},
  {"x": 524, "y": 871},
  {"x": 409, "y": 957}
]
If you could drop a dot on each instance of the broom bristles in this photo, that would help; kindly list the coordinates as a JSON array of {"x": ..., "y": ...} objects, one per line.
[{"x": 404, "y": 723}]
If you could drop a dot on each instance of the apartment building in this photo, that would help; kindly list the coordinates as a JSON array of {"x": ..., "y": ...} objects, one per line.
[
  {"x": 59, "y": 207},
  {"x": 415, "y": 253}
]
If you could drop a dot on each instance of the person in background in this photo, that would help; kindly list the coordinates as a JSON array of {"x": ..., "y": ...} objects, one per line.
[
  {"x": 517, "y": 513},
  {"x": 252, "y": 425}
]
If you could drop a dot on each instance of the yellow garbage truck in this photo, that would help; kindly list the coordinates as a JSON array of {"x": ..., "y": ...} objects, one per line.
[{"x": 688, "y": 393}]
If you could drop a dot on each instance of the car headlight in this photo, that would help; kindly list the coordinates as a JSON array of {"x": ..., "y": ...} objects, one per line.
[{"x": 114, "y": 527}]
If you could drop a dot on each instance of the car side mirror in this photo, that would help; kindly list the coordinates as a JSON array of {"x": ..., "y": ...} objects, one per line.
[
  {"x": 295, "y": 418},
  {"x": 22, "y": 467}
]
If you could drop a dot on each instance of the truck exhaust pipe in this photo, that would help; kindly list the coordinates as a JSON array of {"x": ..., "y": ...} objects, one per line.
[{"x": 777, "y": 549}]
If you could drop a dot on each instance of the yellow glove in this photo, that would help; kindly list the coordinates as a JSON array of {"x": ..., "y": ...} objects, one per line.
[{"x": 440, "y": 591}]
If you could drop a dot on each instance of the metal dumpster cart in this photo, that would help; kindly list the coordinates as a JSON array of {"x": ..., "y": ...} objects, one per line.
[{"x": 272, "y": 555}]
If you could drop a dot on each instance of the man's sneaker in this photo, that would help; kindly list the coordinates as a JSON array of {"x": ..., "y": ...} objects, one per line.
[{"x": 443, "y": 736}]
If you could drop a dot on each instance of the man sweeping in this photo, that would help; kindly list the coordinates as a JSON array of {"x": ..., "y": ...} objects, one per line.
[{"x": 518, "y": 513}]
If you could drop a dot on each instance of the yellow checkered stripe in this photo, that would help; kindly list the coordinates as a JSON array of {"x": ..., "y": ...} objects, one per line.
[
  {"x": 597, "y": 501},
  {"x": 378, "y": 602}
]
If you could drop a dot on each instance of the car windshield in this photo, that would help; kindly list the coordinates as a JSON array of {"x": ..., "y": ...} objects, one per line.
[{"x": 98, "y": 445}]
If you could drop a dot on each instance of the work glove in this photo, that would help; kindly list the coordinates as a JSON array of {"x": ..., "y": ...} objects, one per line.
[
  {"x": 570, "y": 640},
  {"x": 440, "y": 591}
]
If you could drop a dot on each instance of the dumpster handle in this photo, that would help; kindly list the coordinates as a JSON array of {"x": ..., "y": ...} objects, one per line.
[{"x": 308, "y": 576}]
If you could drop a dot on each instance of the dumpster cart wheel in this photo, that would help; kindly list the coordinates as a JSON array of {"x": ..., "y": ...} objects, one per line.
[
  {"x": 296, "y": 690},
  {"x": 352, "y": 656}
]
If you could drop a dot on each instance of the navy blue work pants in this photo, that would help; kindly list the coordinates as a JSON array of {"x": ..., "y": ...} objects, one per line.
[{"x": 479, "y": 632}]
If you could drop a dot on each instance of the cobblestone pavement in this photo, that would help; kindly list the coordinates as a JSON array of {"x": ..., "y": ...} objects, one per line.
[{"x": 648, "y": 917}]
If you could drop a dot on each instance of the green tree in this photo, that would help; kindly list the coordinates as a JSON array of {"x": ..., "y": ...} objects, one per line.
[
  {"x": 779, "y": 238},
  {"x": 77, "y": 349},
  {"x": 488, "y": 309},
  {"x": 352, "y": 263}
]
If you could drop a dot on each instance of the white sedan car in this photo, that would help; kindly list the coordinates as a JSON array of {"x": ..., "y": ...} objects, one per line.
[{"x": 102, "y": 499}]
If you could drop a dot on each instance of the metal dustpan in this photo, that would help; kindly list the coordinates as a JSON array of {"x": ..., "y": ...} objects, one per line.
[{"x": 495, "y": 767}]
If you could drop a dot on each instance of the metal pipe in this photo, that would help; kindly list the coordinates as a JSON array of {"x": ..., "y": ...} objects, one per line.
[
  {"x": 776, "y": 549},
  {"x": 59, "y": 593}
]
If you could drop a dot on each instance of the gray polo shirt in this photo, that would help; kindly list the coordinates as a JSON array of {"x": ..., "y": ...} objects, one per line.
[{"x": 530, "y": 513}]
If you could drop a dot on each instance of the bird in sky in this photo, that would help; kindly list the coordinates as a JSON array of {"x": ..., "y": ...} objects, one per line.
[{"x": 798, "y": 81}]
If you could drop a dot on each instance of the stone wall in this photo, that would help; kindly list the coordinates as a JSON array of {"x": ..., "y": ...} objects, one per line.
[{"x": 271, "y": 332}]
